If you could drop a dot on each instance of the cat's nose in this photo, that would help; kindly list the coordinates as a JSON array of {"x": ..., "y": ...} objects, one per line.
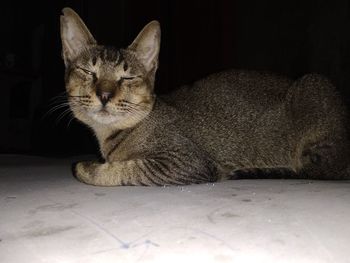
[{"x": 104, "y": 97}]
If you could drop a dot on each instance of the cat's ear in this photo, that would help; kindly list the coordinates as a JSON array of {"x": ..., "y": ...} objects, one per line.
[
  {"x": 75, "y": 35},
  {"x": 147, "y": 44}
]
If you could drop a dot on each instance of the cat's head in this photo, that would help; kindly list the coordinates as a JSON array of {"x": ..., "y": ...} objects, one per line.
[{"x": 107, "y": 86}]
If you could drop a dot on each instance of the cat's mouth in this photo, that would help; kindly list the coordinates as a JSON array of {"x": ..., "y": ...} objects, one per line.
[
  {"x": 104, "y": 112},
  {"x": 105, "y": 116}
]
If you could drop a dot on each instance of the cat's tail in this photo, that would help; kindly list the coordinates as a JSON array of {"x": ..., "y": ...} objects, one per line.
[
  {"x": 284, "y": 173},
  {"x": 267, "y": 173}
]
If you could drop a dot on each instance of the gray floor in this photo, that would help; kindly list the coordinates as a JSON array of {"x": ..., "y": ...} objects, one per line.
[{"x": 47, "y": 216}]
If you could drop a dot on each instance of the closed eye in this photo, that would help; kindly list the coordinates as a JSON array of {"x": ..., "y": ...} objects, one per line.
[
  {"x": 87, "y": 71},
  {"x": 131, "y": 77}
]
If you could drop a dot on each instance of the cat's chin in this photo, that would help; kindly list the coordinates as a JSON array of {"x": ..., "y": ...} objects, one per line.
[{"x": 104, "y": 117}]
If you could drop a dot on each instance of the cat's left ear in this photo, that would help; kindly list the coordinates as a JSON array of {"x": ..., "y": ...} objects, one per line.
[
  {"x": 147, "y": 44},
  {"x": 75, "y": 36}
]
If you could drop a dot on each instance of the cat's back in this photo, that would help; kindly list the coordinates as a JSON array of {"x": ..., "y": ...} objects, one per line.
[
  {"x": 238, "y": 86},
  {"x": 224, "y": 111}
]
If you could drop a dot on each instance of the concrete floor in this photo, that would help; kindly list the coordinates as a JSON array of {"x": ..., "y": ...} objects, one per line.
[{"x": 47, "y": 216}]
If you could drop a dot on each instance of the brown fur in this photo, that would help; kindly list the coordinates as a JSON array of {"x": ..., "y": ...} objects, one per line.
[{"x": 226, "y": 124}]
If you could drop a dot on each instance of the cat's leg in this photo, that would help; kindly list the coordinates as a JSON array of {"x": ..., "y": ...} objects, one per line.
[{"x": 146, "y": 172}]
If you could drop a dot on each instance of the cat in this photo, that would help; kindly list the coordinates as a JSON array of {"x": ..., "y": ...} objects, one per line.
[{"x": 225, "y": 125}]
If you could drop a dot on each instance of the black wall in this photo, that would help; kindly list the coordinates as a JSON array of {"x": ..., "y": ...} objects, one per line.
[{"x": 198, "y": 37}]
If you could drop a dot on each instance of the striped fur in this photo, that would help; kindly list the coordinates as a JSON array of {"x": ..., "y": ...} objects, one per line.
[{"x": 229, "y": 125}]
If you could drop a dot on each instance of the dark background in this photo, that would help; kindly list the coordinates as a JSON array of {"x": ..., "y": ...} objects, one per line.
[{"x": 198, "y": 37}]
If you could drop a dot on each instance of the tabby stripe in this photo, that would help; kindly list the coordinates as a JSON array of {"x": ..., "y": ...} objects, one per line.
[
  {"x": 187, "y": 178},
  {"x": 181, "y": 175},
  {"x": 173, "y": 174},
  {"x": 196, "y": 176},
  {"x": 113, "y": 135},
  {"x": 178, "y": 160},
  {"x": 155, "y": 165},
  {"x": 164, "y": 165},
  {"x": 156, "y": 175},
  {"x": 168, "y": 175},
  {"x": 125, "y": 66},
  {"x": 120, "y": 58},
  {"x": 117, "y": 143},
  {"x": 147, "y": 173},
  {"x": 174, "y": 156},
  {"x": 94, "y": 60},
  {"x": 183, "y": 172},
  {"x": 181, "y": 163},
  {"x": 113, "y": 149}
]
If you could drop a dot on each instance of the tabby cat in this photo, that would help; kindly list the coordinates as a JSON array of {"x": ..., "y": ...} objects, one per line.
[{"x": 223, "y": 126}]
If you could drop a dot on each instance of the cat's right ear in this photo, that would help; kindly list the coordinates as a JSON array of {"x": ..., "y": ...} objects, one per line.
[
  {"x": 75, "y": 36},
  {"x": 147, "y": 44}
]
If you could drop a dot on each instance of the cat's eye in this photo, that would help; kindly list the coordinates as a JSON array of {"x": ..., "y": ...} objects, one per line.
[
  {"x": 87, "y": 71},
  {"x": 128, "y": 78}
]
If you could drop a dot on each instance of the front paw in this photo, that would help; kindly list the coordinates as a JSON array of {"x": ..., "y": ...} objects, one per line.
[{"x": 84, "y": 171}]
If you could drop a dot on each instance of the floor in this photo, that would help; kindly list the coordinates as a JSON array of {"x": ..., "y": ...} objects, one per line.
[{"x": 48, "y": 216}]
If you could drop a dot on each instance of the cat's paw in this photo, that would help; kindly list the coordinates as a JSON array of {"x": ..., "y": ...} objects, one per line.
[{"x": 84, "y": 171}]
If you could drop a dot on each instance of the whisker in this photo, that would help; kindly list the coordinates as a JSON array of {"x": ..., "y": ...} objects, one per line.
[
  {"x": 82, "y": 96},
  {"x": 71, "y": 119},
  {"x": 60, "y": 95},
  {"x": 55, "y": 108},
  {"x": 62, "y": 115}
]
